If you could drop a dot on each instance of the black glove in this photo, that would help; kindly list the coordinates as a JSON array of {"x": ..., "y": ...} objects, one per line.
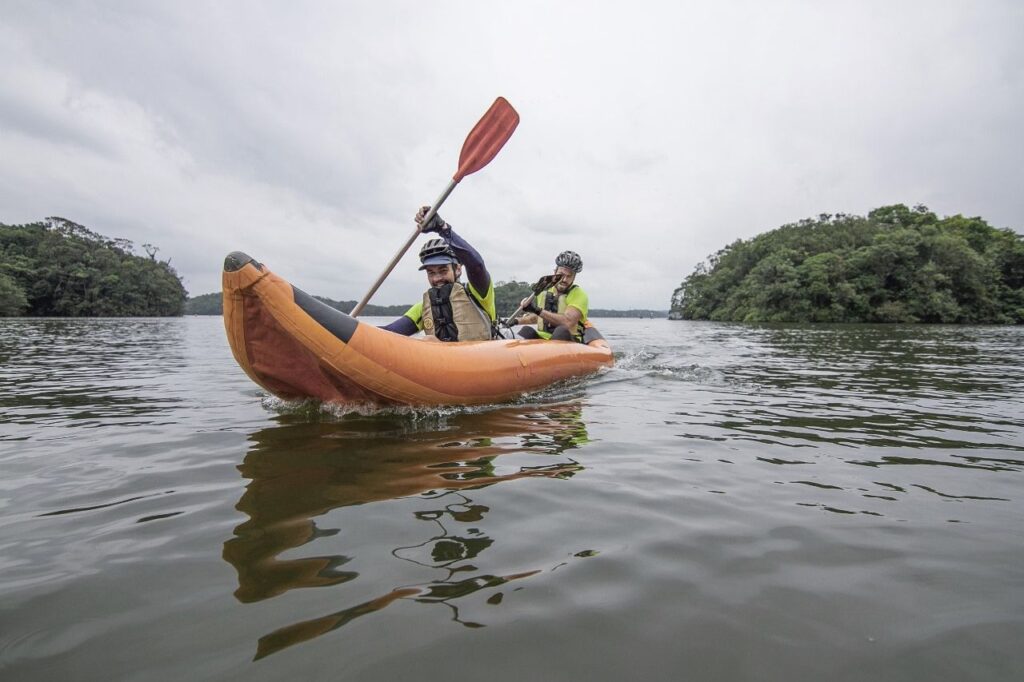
[
  {"x": 436, "y": 224},
  {"x": 531, "y": 307}
]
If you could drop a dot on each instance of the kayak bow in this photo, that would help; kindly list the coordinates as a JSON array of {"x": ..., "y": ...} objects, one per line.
[{"x": 297, "y": 347}]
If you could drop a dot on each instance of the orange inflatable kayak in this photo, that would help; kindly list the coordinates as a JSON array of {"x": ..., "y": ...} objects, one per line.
[{"x": 295, "y": 347}]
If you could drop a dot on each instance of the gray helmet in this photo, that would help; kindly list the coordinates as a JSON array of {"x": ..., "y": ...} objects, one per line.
[
  {"x": 437, "y": 252},
  {"x": 571, "y": 260}
]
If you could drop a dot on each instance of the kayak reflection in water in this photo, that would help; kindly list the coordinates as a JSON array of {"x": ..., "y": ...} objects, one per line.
[{"x": 302, "y": 471}]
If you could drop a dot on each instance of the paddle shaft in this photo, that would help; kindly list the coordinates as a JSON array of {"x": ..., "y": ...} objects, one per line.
[
  {"x": 482, "y": 144},
  {"x": 401, "y": 252},
  {"x": 540, "y": 286}
]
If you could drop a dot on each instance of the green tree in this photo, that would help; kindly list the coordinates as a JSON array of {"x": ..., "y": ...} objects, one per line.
[
  {"x": 12, "y": 297},
  {"x": 205, "y": 304},
  {"x": 898, "y": 264},
  {"x": 64, "y": 269},
  {"x": 508, "y": 295}
]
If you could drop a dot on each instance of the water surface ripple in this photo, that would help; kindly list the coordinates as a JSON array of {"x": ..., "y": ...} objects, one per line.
[{"x": 728, "y": 502}]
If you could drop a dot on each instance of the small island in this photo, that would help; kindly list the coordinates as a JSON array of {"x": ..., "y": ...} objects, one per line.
[
  {"x": 898, "y": 264},
  {"x": 58, "y": 268}
]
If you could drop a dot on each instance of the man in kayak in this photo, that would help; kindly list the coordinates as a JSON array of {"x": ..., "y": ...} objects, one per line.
[
  {"x": 450, "y": 311},
  {"x": 561, "y": 310}
]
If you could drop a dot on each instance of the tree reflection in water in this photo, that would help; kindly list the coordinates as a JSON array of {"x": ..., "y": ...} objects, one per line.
[{"x": 304, "y": 468}]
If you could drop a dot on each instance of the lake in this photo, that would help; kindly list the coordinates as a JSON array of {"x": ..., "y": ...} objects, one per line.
[{"x": 727, "y": 503}]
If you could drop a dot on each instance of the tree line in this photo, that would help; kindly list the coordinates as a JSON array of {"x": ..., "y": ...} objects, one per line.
[
  {"x": 897, "y": 264},
  {"x": 507, "y": 296},
  {"x": 212, "y": 304},
  {"x": 60, "y": 268}
]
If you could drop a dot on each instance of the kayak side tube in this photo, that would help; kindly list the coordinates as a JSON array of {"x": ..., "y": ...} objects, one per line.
[{"x": 295, "y": 346}]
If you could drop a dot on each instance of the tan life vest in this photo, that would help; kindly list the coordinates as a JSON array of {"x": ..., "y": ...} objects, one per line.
[{"x": 451, "y": 314}]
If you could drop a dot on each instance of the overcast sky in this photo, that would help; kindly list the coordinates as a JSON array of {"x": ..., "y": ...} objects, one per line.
[{"x": 652, "y": 133}]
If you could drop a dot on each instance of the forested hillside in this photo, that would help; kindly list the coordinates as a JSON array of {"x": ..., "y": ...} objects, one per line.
[
  {"x": 896, "y": 265},
  {"x": 60, "y": 268}
]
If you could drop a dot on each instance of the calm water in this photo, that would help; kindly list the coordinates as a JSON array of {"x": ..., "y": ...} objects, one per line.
[{"x": 727, "y": 503}]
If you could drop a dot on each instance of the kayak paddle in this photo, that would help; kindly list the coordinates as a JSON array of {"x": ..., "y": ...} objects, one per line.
[
  {"x": 482, "y": 144},
  {"x": 543, "y": 283}
]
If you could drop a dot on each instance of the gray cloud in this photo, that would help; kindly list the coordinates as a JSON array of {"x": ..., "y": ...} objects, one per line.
[{"x": 651, "y": 136}]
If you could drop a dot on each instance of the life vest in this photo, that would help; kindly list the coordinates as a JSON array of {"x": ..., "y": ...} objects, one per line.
[
  {"x": 556, "y": 303},
  {"x": 452, "y": 314}
]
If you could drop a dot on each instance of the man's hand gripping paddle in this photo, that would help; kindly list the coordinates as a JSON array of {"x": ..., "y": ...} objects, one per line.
[{"x": 543, "y": 284}]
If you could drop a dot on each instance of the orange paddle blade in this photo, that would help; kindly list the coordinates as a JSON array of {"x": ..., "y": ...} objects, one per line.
[{"x": 487, "y": 138}]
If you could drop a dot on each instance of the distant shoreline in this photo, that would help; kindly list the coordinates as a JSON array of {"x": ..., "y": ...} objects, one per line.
[
  {"x": 210, "y": 304},
  {"x": 599, "y": 313}
]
